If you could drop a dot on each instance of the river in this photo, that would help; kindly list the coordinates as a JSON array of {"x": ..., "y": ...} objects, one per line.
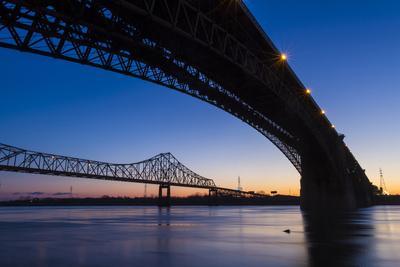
[{"x": 197, "y": 236}]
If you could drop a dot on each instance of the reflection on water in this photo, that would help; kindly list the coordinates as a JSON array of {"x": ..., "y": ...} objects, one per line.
[
  {"x": 338, "y": 239},
  {"x": 197, "y": 236}
]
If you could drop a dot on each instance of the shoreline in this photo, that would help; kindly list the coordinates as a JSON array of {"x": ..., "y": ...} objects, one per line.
[
  {"x": 174, "y": 201},
  {"x": 278, "y": 200}
]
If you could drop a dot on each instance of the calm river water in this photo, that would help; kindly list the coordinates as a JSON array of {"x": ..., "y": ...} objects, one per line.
[{"x": 197, "y": 236}]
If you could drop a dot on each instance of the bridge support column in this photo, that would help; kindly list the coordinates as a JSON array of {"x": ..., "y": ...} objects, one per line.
[
  {"x": 212, "y": 197},
  {"x": 318, "y": 194},
  {"x": 164, "y": 201},
  {"x": 328, "y": 187}
]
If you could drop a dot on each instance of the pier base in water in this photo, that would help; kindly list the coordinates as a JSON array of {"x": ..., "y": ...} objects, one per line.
[
  {"x": 212, "y": 197},
  {"x": 164, "y": 201}
]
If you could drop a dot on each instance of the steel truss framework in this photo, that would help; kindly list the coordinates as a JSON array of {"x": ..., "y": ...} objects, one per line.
[
  {"x": 122, "y": 36},
  {"x": 112, "y": 41},
  {"x": 163, "y": 169}
]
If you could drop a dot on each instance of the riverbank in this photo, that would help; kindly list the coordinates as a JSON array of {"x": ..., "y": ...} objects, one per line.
[
  {"x": 150, "y": 201},
  {"x": 176, "y": 201},
  {"x": 387, "y": 200}
]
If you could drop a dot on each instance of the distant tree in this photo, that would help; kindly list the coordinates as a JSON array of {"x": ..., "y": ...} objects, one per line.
[{"x": 376, "y": 190}]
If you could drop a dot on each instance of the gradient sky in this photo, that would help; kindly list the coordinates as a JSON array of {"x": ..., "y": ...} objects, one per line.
[{"x": 347, "y": 52}]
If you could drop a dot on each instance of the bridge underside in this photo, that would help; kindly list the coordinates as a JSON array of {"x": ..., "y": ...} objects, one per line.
[{"x": 211, "y": 50}]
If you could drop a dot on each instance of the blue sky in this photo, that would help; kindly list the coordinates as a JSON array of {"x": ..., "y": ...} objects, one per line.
[{"x": 347, "y": 52}]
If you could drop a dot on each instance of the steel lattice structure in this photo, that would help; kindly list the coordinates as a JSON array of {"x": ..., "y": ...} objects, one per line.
[
  {"x": 213, "y": 50},
  {"x": 101, "y": 34},
  {"x": 161, "y": 169}
]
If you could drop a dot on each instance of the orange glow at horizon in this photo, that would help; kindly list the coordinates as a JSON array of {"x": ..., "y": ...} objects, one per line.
[
  {"x": 51, "y": 186},
  {"x": 40, "y": 186}
]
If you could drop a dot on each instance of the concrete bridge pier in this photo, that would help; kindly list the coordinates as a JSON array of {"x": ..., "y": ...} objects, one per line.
[
  {"x": 212, "y": 197},
  {"x": 329, "y": 183},
  {"x": 164, "y": 201},
  {"x": 322, "y": 190}
]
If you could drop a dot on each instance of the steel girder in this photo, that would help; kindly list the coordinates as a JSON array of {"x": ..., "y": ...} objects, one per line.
[
  {"x": 161, "y": 169},
  {"x": 99, "y": 34}
]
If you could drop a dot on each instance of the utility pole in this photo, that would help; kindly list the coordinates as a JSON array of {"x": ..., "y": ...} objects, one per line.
[
  {"x": 70, "y": 191},
  {"x": 382, "y": 188},
  {"x": 239, "y": 188},
  {"x": 145, "y": 190}
]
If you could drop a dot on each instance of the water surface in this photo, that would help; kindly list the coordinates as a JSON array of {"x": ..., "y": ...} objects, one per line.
[{"x": 197, "y": 236}]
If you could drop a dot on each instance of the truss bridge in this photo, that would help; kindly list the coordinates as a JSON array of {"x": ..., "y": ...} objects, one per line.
[
  {"x": 163, "y": 169},
  {"x": 213, "y": 50}
]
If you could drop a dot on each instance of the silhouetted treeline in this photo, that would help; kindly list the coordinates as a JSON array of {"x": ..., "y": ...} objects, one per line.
[
  {"x": 176, "y": 201},
  {"x": 191, "y": 200},
  {"x": 387, "y": 199}
]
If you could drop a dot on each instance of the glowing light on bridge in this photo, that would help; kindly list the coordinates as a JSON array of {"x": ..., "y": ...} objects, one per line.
[
  {"x": 283, "y": 57},
  {"x": 308, "y": 91},
  {"x": 323, "y": 112},
  {"x": 333, "y": 126}
]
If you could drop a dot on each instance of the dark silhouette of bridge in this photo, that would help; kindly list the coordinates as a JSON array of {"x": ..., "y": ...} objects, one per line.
[
  {"x": 212, "y": 50},
  {"x": 163, "y": 169}
]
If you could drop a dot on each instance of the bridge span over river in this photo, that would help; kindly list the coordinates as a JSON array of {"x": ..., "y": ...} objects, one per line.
[
  {"x": 163, "y": 169},
  {"x": 213, "y": 50}
]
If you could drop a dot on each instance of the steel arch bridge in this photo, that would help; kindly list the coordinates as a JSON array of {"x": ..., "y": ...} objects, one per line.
[{"x": 212, "y": 50}]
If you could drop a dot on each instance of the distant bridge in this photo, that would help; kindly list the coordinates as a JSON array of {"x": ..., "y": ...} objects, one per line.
[
  {"x": 163, "y": 169},
  {"x": 213, "y": 50}
]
